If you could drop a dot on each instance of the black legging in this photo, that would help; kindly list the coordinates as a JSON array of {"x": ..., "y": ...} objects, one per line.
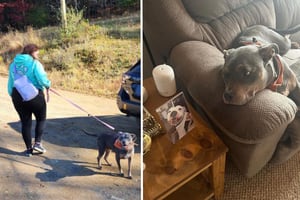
[{"x": 25, "y": 109}]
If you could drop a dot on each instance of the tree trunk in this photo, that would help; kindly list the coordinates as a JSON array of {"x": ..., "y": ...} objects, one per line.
[{"x": 63, "y": 13}]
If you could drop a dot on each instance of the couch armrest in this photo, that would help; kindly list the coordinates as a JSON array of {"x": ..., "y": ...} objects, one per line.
[{"x": 197, "y": 65}]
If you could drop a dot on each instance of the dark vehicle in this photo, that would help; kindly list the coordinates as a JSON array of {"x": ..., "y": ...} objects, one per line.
[{"x": 129, "y": 96}]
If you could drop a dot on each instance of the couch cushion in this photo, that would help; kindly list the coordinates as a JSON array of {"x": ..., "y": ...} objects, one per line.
[
  {"x": 228, "y": 18},
  {"x": 204, "y": 11},
  {"x": 287, "y": 13}
]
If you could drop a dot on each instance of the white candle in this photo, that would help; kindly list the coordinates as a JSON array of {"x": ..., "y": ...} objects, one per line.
[{"x": 164, "y": 79}]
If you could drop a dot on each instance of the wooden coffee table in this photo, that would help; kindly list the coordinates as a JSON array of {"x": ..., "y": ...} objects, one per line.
[{"x": 193, "y": 168}]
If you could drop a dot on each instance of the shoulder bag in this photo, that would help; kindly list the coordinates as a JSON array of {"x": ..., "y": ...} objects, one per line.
[{"x": 24, "y": 86}]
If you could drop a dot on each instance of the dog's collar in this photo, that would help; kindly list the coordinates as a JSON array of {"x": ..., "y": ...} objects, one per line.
[
  {"x": 118, "y": 145},
  {"x": 279, "y": 79}
]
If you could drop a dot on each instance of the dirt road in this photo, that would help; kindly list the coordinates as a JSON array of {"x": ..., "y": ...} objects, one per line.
[{"x": 68, "y": 170}]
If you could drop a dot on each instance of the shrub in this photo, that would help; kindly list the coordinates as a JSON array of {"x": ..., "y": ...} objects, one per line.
[
  {"x": 37, "y": 16},
  {"x": 55, "y": 59},
  {"x": 87, "y": 56},
  {"x": 73, "y": 29}
]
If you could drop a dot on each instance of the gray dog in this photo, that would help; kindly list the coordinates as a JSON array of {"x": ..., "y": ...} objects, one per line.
[
  {"x": 256, "y": 64},
  {"x": 250, "y": 69},
  {"x": 122, "y": 143},
  {"x": 262, "y": 35}
]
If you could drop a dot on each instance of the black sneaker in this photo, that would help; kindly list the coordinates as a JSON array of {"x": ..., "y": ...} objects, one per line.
[
  {"x": 39, "y": 148},
  {"x": 28, "y": 152}
]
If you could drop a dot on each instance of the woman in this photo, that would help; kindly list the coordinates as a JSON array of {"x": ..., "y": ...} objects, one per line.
[{"x": 27, "y": 64}]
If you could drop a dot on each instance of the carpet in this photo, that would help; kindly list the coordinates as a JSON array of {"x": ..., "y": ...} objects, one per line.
[{"x": 273, "y": 182}]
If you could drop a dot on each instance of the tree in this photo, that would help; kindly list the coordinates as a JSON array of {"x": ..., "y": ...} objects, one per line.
[
  {"x": 12, "y": 14},
  {"x": 63, "y": 13}
]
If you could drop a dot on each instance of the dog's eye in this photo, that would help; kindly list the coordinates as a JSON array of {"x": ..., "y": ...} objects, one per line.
[
  {"x": 247, "y": 73},
  {"x": 244, "y": 70}
]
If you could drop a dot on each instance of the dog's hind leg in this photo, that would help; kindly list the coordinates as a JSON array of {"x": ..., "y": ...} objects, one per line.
[
  {"x": 107, "y": 151},
  {"x": 100, "y": 154}
]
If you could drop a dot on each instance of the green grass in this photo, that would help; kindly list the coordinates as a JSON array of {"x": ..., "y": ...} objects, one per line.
[
  {"x": 87, "y": 57},
  {"x": 126, "y": 27}
]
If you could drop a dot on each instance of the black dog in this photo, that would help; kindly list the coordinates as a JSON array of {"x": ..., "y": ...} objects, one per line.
[
  {"x": 262, "y": 35},
  {"x": 122, "y": 143}
]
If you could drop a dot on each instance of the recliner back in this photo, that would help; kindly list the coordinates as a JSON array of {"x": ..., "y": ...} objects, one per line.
[{"x": 217, "y": 22}]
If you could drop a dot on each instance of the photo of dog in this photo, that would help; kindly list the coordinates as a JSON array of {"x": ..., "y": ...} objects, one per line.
[{"x": 176, "y": 117}]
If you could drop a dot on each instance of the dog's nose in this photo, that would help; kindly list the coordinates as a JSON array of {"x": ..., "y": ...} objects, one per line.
[
  {"x": 228, "y": 96},
  {"x": 173, "y": 114}
]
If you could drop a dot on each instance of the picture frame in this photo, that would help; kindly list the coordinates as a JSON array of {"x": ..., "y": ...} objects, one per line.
[{"x": 176, "y": 117}]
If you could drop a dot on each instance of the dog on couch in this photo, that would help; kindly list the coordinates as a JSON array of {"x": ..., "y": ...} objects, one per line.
[
  {"x": 121, "y": 143},
  {"x": 257, "y": 65},
  {"x": 250, "y": 69},
  {"x": 261, "y": 35}
]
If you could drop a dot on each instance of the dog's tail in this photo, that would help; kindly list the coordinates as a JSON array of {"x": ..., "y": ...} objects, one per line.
[
  {"x": 88, "y": 133},
  {"x": 287, "y": 31}
]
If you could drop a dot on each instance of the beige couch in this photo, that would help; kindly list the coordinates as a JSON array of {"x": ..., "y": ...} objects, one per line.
[{"x": 190, "y": 35}]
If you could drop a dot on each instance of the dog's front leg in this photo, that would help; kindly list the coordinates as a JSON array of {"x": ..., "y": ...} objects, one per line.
[
  {"x": 118, "y": 158},
  {"x": 129, "y": 168},
  {"x": 100, "y": 154}
]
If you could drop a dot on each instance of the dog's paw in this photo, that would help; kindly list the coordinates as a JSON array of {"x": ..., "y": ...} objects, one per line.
[
  {"x": 100, "y": 167},
  {"x": 129, "y": 177}
]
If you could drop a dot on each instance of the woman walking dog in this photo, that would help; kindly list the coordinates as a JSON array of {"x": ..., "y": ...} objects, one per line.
[{"x": 26, "y": 69}]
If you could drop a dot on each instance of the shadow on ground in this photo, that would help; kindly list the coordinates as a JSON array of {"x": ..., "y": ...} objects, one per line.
[
  {"x": 69, "y": 132},
  {"x": 57, "y": 169},
  {"x": 66, "y": 168}
]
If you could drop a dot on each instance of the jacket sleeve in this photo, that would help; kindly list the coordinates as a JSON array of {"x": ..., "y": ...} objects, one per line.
[
  {"x": 10, "y": 83},
  {"x": 41, "y": 75}
]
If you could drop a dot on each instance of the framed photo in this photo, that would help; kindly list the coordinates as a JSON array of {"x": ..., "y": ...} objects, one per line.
[{"x": 176, "y": 117}]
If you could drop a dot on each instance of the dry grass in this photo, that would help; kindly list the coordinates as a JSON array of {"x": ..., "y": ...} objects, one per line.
[
  {"x": 13, "y": 42},
  {"x": 88, "y": 60}
]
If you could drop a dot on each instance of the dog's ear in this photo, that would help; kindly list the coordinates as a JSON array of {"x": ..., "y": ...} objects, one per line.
[
  {"x": 268, "y": 51},
  {"x": 227, "y": 52}
]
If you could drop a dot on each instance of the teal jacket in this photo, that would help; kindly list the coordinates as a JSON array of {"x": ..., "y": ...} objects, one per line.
[{"x": 32, "y": 68}]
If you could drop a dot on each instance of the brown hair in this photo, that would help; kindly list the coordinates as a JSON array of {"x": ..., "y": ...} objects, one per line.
[{"x": 29, "y": 49}]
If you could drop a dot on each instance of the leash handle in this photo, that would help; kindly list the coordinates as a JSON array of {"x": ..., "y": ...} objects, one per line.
[{"x": 80, "y": 108}]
